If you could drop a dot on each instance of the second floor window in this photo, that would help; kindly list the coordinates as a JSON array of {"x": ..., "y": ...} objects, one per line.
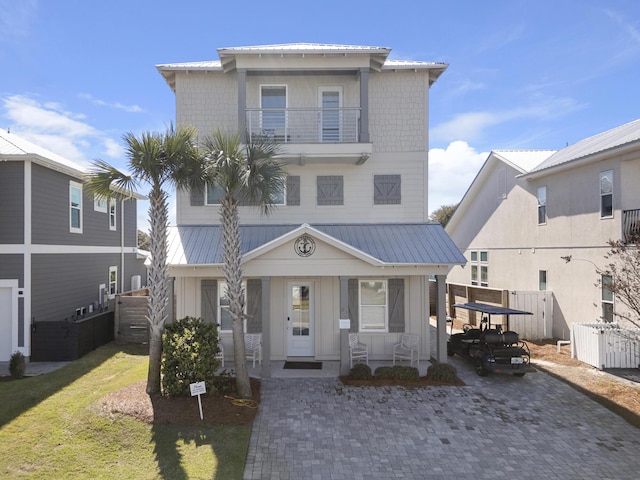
[
  {"x": 112, "y": 214},
  {"x": 542, "y": 205},
  {"x": 542, "y": 280},
  {"x": 273, "y": 101},
  {"x": 606, "y": 194},
  {"x": 480, "y": 268},
  {"x": 75, "y": 207}
]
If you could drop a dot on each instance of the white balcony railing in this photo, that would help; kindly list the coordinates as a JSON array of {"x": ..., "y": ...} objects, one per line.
[{"x": 305, "y": 125}]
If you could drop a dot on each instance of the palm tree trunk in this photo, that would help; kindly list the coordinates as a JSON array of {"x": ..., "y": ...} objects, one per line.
[
  {"x": 156, "y": 315},
  {"x": 233, "y": 275}
]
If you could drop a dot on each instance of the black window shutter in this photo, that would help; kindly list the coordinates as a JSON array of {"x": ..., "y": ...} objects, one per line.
[
  {"x": 396, "y": 305},
  {"x": 353, "y": 305},
  {"x": 293, "y": 190},
  {"x": 209, "y": 303},
  {"x": 254, "y": 306}
]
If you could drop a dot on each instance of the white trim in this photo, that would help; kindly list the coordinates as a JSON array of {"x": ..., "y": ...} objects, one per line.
[
  {"x": 112, "y": 269},
  {"x": 113, "y": 214},
  {"x": 13, "y": 285},
  {"x": 26, "y": 250},
  {"x": 18, "y": 249},
  {"x": 98, "y": 205}
]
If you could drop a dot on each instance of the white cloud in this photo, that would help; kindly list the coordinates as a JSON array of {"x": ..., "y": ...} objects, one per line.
[
  {"x": 117, "y": 105},
  {"x": 63, "y": 132},
  {"x": 451, "y": 172}
]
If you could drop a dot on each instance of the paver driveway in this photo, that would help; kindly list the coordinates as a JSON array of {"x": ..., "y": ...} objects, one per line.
[{"x": 497, "y": 427}]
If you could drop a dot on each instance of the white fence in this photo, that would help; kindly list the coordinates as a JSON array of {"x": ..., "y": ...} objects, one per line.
[{"x": 605, "y": 345}]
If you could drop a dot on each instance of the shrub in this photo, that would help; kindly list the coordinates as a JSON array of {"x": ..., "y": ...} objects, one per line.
[
  {"x": 17, "y": 365},
  {"x": 443, "y": 372},
  {"x": 360, "y": 371},
  {"x": 189, "y": 349}
]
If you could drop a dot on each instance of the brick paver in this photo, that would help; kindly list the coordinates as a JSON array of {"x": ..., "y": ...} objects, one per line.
[{"x": 496, "y": 427}]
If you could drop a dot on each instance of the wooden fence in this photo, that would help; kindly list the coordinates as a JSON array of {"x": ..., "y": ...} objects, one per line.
[
  {"x": 605, "y": 345},
  {"x": 131, "y": 323}
]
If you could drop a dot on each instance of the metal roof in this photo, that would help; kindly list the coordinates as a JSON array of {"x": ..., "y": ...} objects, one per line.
[
  {"x": 14, "y": 146},
  {"x": 490, "y": 309},
  {"x": 303, "y": 48},
  {"x": 614, "y": 138},
  {"x": 399, "y": 244},
  {"x": 523, "y": 160}
]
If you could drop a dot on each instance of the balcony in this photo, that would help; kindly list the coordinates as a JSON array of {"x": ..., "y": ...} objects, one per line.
[
  {"x": 312, "y": 135},
  {"x": 631, "y": 226}
]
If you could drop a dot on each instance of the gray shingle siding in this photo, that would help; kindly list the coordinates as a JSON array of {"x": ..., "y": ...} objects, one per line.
[{"x": 12, "y": 202}]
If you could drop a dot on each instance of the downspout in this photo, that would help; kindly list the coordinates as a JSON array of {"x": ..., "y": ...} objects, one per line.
[{"x": 122, "y": 245}]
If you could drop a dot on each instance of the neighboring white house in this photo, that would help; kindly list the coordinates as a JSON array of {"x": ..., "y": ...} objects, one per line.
[
  {"x": 350, "y": 238},
  {"x": 526, "y": 210}
]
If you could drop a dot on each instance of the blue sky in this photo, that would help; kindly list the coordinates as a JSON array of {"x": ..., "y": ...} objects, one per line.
[{"x": 76, "y": 75}]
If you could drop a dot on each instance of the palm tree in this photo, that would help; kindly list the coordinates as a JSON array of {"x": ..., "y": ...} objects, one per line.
[
  {"x": 160, "y": 161},
  {"x": 246, "y": 173}
]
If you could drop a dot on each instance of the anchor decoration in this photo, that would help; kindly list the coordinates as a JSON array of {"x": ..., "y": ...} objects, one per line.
[{"x": 305, "y": 246}]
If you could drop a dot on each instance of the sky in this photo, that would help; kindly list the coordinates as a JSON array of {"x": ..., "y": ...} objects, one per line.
[{"x": 76, "y": 75}]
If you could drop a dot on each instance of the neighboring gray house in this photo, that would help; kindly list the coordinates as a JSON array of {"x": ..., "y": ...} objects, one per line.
[
  {"x": 350, "y": 237},
  {"x": 527, "y": 212},
  {"x": 63, "y": 253}
]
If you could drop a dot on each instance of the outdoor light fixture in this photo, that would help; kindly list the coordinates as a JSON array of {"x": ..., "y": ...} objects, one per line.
[{"x": 567, "y": 259}]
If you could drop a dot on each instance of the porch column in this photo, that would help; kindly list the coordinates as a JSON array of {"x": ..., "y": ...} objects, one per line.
[
  {"x": 242, "y": 102},
  {"x": 344, "y": 333},
  {"x": 364, "y": 105},
  {"x": 441, "y": 319},
  {"x": 266, "y": 327}
]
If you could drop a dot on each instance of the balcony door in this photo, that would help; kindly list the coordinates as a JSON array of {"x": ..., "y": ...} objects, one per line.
[
  {"x": 273, "y": 102},
  {"x": 330, "y": 101}
]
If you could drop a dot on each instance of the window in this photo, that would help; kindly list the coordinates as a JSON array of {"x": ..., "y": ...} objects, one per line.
[
  {"x": 113, "y": 281},
  {"x": 75, "y": 207},
  {"x": 542, "y": 205},
  {"x": 481, "y": 267},
  {"x": 273, "y": 101},
  {"x": 113, "y": 208},
  {"x": 330, "y": 190},
  {"x": 214, "y": 195},
  {"x": 386, "y": 189},
  {"x": 606, "y": 194},
  {"x": 99, "y": 204},
  {"x": 607, "y": 298},
  {"x": 542, "y": 280},
  {"x": 224, "y": 318},
  {"x": 373, "y": 306}
]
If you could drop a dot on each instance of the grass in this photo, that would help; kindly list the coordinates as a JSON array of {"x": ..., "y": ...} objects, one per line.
[{"x": 51, "y": 426}]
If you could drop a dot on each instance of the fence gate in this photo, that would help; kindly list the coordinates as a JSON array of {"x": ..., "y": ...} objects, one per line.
[{"x": 538, "y": 325}]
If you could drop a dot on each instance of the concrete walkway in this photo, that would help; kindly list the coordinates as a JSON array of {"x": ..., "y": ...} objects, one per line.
[{"x": 496, "y": 427}]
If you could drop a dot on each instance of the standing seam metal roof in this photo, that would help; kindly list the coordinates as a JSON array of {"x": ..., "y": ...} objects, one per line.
[{"x": 413, "y": 244}]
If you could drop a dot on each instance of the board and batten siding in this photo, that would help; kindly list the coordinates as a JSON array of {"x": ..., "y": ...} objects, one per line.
[
  {"x": 359, "y": 195},
  {"x": 12, "y": 203}
]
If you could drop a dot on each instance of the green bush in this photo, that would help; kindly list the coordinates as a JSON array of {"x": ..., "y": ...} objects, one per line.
[
  {"x": 442, "y": 372},
  {"x": 360, "y": 371},
  {"x": 17, "y": 365},
  {"x": 398, "y": 372},
  {"x": 189, "y": 349}
]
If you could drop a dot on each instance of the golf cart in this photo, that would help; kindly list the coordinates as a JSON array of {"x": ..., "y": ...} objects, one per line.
[{"x": 490, "y": 348}]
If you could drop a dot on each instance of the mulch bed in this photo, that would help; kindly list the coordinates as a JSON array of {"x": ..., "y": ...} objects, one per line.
[
  {"x": 385, "y": 382},
  {"x": 217, "y": 408}
]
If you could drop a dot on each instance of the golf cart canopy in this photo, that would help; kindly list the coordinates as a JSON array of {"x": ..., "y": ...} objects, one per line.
[{"x": 490, "y": 309}]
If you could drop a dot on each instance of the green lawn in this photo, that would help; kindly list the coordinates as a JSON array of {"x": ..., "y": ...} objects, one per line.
[{"x": 51, "y": 427}]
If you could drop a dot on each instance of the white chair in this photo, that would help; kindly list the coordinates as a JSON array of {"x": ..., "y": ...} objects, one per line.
[
  {"x": 253, "y": 347},
  {"x": 407, "y": 349},
  {"x": 220, "y": 354},
  {"x": 357, "y": 350}
]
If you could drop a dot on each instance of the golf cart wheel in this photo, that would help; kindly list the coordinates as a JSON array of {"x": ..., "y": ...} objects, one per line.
[
  {"x": 519, "y": 374},
  {"x": 480, "y": 370},
  {"x": 449, "y": 349}
]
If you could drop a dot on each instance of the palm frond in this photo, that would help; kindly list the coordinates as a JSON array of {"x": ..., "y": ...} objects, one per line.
[{"x": 107, "y": 181}]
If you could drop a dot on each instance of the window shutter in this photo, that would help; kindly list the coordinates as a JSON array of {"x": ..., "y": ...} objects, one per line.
[
  {"x": 208, "y": 301},
  {"x": 396, "y": 305},
  {"x": 197, "y": 198},
  {"x": 387, "y": 189},
  {"x": 254, "y": 306},
  {"x": 353, "y": 304},
  {"x": 293, "y": 190},
  {"x": 330, "y": 190}
]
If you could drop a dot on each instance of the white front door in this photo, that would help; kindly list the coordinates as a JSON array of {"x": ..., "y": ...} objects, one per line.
[
  {"x": 300, "y": 341},
  {"x": 8, "y": 319}
]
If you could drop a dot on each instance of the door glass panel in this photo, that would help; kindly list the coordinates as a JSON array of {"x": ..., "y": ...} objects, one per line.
[
  {"x": 274, "y": 104},
  {"x": 330, "y": 116},
  {"x": 300, "y": 311}
]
